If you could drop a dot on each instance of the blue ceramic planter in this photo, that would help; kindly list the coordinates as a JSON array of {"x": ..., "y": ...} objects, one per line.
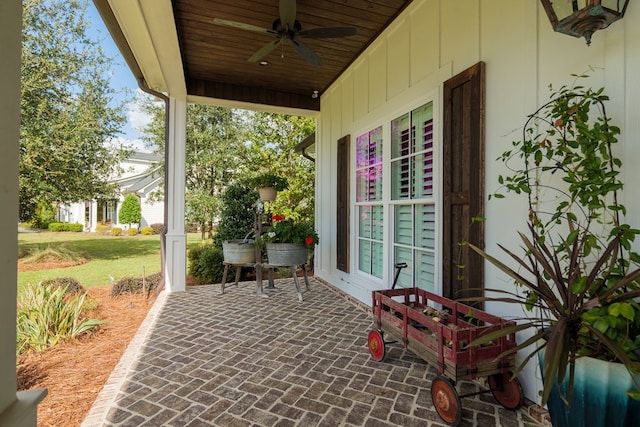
[{"x": 599, "y": 397}]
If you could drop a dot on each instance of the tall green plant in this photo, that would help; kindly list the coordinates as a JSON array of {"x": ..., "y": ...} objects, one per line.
[
  {"x": 130, "y": 211},
  {"x": 46, "y": 317},
  {"x": 576, "y": 269},
  {"x": 238, "y": 213}
]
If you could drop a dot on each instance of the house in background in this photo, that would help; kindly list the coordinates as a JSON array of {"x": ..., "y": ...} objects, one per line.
[{"x": 142, "y": 176}]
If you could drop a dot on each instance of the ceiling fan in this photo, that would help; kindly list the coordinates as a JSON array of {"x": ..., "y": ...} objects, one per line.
[{"x": 287, "y": 30}]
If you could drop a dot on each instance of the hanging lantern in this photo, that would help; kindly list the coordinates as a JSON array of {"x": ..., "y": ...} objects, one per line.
[{"x": 582, "y": 18}]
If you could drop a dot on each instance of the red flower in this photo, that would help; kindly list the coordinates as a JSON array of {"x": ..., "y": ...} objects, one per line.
[
  {"x": 278, "y": 217},
  {"x": 309, "y": 240}
]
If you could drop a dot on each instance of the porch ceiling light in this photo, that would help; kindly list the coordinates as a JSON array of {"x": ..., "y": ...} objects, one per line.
[{"x": 582, "y": 18}]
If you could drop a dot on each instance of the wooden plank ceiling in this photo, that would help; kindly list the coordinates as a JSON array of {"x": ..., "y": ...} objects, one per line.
[{"x": 215, "y": 57}]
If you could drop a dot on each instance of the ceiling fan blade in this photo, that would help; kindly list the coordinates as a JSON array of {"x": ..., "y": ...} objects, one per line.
[
  {"x": 327, "y": 32},
  {"x": 306, "y": 53},
  {"x": 264, "y": 51},
  {"x": 242, "y": 26},
  {"x": 288, "y": 13}
]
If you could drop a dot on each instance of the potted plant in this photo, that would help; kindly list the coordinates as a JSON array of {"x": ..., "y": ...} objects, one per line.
[
  {"x": 288, "y": 242},
  {"x": 268, "y": 185},
  {"x": 576, "y": 271}
]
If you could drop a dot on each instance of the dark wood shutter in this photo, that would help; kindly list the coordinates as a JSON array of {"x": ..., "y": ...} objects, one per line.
[
  {"x": 463, "y": 182},
  {"x": 342, "y": 214}
]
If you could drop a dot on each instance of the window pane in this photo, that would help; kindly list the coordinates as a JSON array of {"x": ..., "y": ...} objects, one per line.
[
  {"x": 425, "y": 271},
  {"x": 403, "y": 224},
  {"x": 422, "y": 123},
  {"x": 401, "y": 179},
  {"x": 377, "y": 222},
  {"x": 400, "y": 136},
  {"x": 369, "y": 166},
  {"x": 425, "y": 226},
  {"x": 362, "y": 150},
  {"x": 406, "y": 274},
  {"x": 423, "y": 179},
  {"x": 376, "y": 259},
  {"x": 364, "y": 255},
  {"x": 365, "y": 221}
]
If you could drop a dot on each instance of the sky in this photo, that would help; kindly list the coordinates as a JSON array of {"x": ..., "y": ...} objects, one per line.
[{"x": 122, "y": 80}]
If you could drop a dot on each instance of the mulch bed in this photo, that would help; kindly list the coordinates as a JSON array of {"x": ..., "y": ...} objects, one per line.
[{"x": 74, "y": 372}]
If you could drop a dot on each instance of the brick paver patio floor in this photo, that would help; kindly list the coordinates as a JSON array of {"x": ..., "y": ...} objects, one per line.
[{"x": 206, "y": 359}]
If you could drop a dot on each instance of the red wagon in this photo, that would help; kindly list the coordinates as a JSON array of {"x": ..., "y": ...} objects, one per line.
[{"x": 438, "y": 330}]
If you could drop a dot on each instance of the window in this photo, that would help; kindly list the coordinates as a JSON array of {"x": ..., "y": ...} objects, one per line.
[
  {"x": 369, "y": 202},
  {"x": 412, "y": 195},
  {"x": 107, "y": 212}
]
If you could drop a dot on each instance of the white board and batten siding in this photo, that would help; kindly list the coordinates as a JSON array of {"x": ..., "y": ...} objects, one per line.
[{"x": 433, "y": 40}]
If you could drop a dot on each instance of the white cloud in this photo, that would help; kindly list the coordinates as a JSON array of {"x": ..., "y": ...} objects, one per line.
[{"x": 137, "y": 118}]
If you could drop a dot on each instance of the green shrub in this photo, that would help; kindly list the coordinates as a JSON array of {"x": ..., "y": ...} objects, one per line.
[
  {"x": 205, "y": 264},
  {"x": 103, "y": 229},
  {"x": 75, "y": 227},
  {"x": 238, "y": 213},
  {"x": 55, "y": 226},
  {"x": 131, "y": 285},
  {"x": 65, "y": 226},
  {"x": 132, "y": 231},
  {"x": 116, "y": 231},
  {"x": 44, "y": 215},
  {"x": 70, "y": 284},
  {"x": 46, "y": 317},
  {"x": 130, "y": 211},
  {"x": 146, "y": 231},
  {"x": 157, "y": 227}
]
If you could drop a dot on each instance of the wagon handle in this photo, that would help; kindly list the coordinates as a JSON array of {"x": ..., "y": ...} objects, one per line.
[{"x": 399, "y": 266}]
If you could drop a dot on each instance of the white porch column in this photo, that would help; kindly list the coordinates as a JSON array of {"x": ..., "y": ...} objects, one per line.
[
  {"x": 175, "y": 269},
  {"x": 93, "y": 215},
  {"x": 16, "y": 409}
]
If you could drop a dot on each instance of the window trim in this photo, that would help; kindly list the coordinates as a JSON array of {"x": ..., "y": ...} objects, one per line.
[{"x": 367, "y": 125}]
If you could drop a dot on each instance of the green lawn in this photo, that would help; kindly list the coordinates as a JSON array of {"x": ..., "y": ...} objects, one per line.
[
  {"x": 119, "y": 257},
  {"x": 116, "y": 256}
]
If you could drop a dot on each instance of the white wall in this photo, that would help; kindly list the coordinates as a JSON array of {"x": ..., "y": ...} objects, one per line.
[{"x": 435, "y": 39}]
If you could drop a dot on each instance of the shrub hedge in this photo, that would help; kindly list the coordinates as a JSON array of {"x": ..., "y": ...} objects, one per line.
[
  {"x": 205, "y": 264},
  {"x": 132, "y": 231},
  {"x": 65, "y": 226},
  {"x": 146, "y": 231},
  {"x": 116, "y": 231}
]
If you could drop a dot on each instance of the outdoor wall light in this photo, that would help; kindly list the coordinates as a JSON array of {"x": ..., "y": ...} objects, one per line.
[{"x": 582, "y": 18}]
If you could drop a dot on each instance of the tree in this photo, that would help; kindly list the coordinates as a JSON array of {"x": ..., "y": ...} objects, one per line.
[
  {"x": 130, "y": 211},
  {"x": 224, "y": 145},
  {"x": 272, "y": 138},
  {"x": 215, "y": 155},
  {"x": 67, "y": 106}
]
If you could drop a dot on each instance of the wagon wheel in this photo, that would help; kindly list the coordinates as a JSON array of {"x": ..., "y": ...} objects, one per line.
[
  {"x": 376, "y": 345},
  {"x": 446, "y": 400},
  {"x": 506, "y": 391}
]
